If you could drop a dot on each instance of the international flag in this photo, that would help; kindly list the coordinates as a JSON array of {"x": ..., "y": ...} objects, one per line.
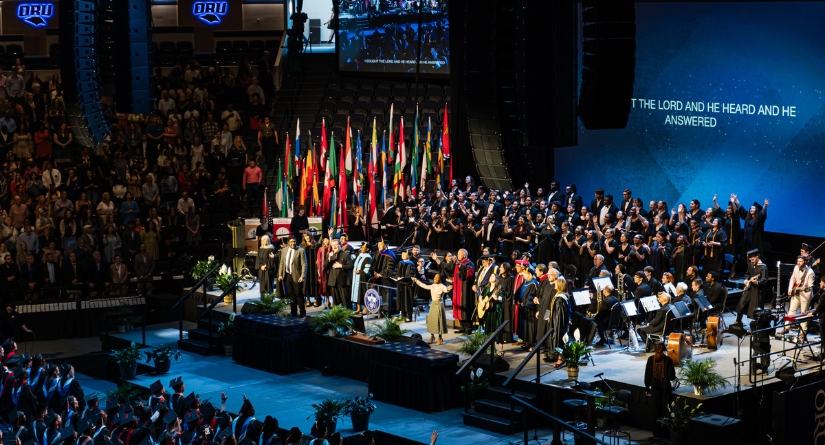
[
  {"x": 384, "y": 190},
  {"x": 373, "y": 213},
  {"x": 428, "y": 147},
  {"x": 333, "y": 214},
  {"x": 445, "y": 141},
  {"x": 287, "y": 203},
  {"x": 348, "y": 151},
  {"x": 414, "y": 160},
  {"x": 315, "y": 175},
  {"x": 266, "y": 213},
  {"x": 279, "y": 192},
  {"x": 288, "y": 159},
  {"x": 359, "y": 175},
  {"x": 439, "y": 165},
  {"x": 391, "y": 154},
  {"x": 324, "y": 147},
  {"x": 400, "y": 163},
  {"x": 298, "y": 157},
  {"x": 342, "y": 188}
]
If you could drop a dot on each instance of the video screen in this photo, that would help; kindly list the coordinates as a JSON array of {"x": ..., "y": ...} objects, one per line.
[
  {"x": 381, "y": 36},
  {"x": 728, "y": 98}
]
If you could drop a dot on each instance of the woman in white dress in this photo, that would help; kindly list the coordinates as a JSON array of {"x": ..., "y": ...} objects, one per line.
[{"x": 437, "y": 318}]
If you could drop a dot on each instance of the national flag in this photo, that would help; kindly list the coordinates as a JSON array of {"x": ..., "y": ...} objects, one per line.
[
  {"x": 333, "y": 213},
  {"x": 342, "y": 189},
  {"x": 400, "y": 163},
  {"x": 384, "y": 190},
  {"x": 414, "y": 160},
  {"x": 348, "y": 152},
  {"x": 297, "y": 150},
  {"x": 324, "y": 147},
  {"x": 287, "y": 203},
  {"x": 330, "y": 176},
  {"x": 279, "y": 193},
  {"x": 359, "y": 175},
  {"x": 266, "y": 214},
  {"x": 371, "y": 172},
  {"x": 315, "y": 176},
  {"x": 428, "y": 147},
  {"x": 391, "y": 154},
  {"x": 288, "y": 161}
]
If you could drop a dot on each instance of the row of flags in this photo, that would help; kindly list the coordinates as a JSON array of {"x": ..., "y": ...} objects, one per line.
[{"x": 299, "y": 173}]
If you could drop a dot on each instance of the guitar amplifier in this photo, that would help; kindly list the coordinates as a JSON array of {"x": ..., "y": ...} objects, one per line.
[{"x": 721, "y": 428}]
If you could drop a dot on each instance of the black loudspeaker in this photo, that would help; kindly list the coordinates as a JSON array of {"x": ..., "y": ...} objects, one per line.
[
  {"x": 358, "y": 324},
  {"x": 738, "y": 330},
  {"x": 499, "y": 364},
  {"x": 413, "y": 341},
  {"x": 608, "y": 63},
  {"x": 245, "y": 309},
  {"x": 314, "y": 31},
  {"x": 722, "y": 429},
  {"x": 132, "y": 20}
]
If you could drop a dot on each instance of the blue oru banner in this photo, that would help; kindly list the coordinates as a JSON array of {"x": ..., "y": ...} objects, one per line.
[
  {"x": 35, "y": 14},
  {"x": 210, "y": 12}
]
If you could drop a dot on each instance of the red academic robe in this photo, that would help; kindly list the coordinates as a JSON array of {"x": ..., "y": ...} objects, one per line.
[{"x": 463, "y": 297}]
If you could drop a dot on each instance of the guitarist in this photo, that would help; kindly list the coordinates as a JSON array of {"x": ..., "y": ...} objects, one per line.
[
  {"x": 799, "y": 289},
  {"x": 488, "y": 269},
  {"x": 757, "y": 277},
  {"x": 813, "y": 263}
]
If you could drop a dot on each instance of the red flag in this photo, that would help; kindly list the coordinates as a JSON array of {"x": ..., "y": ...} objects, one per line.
[
  {"x": 445, "y": 141},
  {"x": 342, "y": 184}
]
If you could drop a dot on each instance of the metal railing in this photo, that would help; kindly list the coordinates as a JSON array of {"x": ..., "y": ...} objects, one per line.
[
  {"x": 142, "y": 314},
  {"x": 521, "y": 366},
  {"x": 564, "y": 425},
  {"x": 179, "y": 303},
  {"x": 478, "y": 353},
  {"x": 208, "y": 312}
]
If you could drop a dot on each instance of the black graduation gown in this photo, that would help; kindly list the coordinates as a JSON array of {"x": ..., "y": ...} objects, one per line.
[
  {"x": 505, "y": 284},
  {"x": 547, "y": 249},
  {"x": 471, "y": 241},
  {"x": 714, "y": 260},
  {"x": 266, "y": 276},
  {"x": 753, "y": 230},
  {"x": 26, "y": 399},
  {"x": 610, "y": 259},
  {"x": 74, "y": 389},
  {"x": 680, "y": 261},
  {"x": 660, "y": 389},
  {"x": 751, "y": 296},
  {"x": 406, "y": 293},
  {"x": 559, "y": 322},
  {"x": 546, "y": 292},
  {"x": 530, "y": 290},
  {"x": 660, "y": 259}
]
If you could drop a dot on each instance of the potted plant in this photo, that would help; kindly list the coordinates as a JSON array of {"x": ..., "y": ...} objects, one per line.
[
  {"x": 359, "y": 410},
  {"x": 335, "y": 320},
  {"x": 127, "y": 360},
  {"x": 388, "y": 330},
  {"x": 226, "y": 331},
  {"x": 470, "y": 343},
  {"x": 123, "y": 317},
  {"x": 572, "y": 353},
  {"x": 125, "y": 393},
  {"x": 268, "y": 304},
  {"x": 678, "y": 419},
  {"x": 201, "y": 268},
  {"x": 162, "y": 358},
  {"x": 700, "y": 375},
  {"x": 476, "y": 386},
  {"x": 328, "y": 412},
  {"x": 224, "y": 281}
]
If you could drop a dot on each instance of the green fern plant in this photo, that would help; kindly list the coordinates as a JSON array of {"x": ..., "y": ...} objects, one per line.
[
  {"x": 700, "y": 375},
  {"x": 389, "y": 329},
  {"x": 470, "y": 343},
  {"x": 336, "y": 317},
  {"x": 268, "y": 304},
  {"x": 125, "y": 393}
]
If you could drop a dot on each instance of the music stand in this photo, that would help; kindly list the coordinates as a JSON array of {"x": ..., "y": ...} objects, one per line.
[
  {"x": 629, "y": 313},
  {"x": 703, "y": 303},
  {"x": 600, "y": 282},
  {"x": 650, "y": 303},
  {"x": 581, "y": 297},
  {"x": 680, "y": 311}
]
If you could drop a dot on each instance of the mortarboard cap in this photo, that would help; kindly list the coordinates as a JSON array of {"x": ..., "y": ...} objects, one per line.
[
  {"x": 190, "y": 399},
  {"x": 14, "y": 415},
  {"x": 91, "y": 398},
  {"x": 207, "y": 410},
  {"x": 223, "y": 420},
  {"x": 753, "y": 253},
  {"x": 50, "y": 418},
  {"x": 111, "y": 404},
  {"x": 170, "y": 418},
  {"x": 191, "y": 416},
  {"x": 13, "y": 360},
  {"x": 65, "y": 433},
  {"x": 523, "y": 262},
  {"x": 155, "y": 386},
  {"x": 126, "y": 408},
  {"x": 25, "y": 358},
  {"x": 224, "y": 434},
  {"x": 116, "y": 419},
  {"x": 96, "y": 417},
  {"x": 128, "y": 417},
  {"x": 65, "y": 368},
  {"x": 806, "y": 247},
  {"x": 83, "y": 426},
  {"x": 177, "y": 381}
]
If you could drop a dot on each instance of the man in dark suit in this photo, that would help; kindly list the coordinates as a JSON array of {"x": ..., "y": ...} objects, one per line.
[
  {"x": 573, "y": 197},
  {"x": 493, "y": 207},
  {"x": 490, "y": 233},
  {"x": 144, "y": 269},
  {"x": 51, "y": 274},
  {"x": 597, "y": 202},
  {"x": 292, "y": 271},
  {"x": 627, "y": 201},
  {"x": 607, "y": 208},
  {"x": 130, "y": 243},
  {"x": 657, "y": 324},
  {"x": 555, "y": 193},
  {"x": 71, "y": 274},
  {"x": 31, "y": 278},
  {"x": 339, "y": 265},
  {"x": 714, "y": 291},
  {"x": 642, "y": 290},
  {"x": 97, "y": 273}
]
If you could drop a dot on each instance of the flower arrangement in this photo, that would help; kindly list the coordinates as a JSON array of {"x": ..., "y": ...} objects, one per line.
[
  {"x": 226, "y": 330},
  {"x": 679, "y": 415},
  {"x": 476, "y": 386},
  {"x": 202, "y": 267},
  {"x": 388, "y": 330}
]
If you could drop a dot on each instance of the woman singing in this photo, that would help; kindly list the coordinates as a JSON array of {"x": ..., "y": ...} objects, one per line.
[{"x": 437, "y": 318}]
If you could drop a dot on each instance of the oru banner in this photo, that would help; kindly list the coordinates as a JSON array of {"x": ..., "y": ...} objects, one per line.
[{"x": 799, "y": 415}]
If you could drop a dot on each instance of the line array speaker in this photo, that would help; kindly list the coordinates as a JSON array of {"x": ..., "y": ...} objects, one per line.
[
  {"x": 132, "y": 19},
  {"x": 608, "y": 63},
  {"x": 79, "y": 70}
]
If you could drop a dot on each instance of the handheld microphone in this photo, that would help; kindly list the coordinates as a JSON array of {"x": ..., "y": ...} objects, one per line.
[{"x": 598, "y": 375}]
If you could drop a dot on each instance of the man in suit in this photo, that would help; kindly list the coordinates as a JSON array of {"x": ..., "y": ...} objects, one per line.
[
  {"x": 657, "y": 324},
  {"x": 642, "y": 290},
  {"x": 573, "y": 197},
  {"x": 339, "y": 265},
  {"x": 292, "y": 271},
  {"x": 131, "y": 242},
  {"x": 627, "y": 201},
  {"x": 71, "y": 275},
  {"x": 597, "y": 202},
  {"x": 490, "y": 233},
  {"x": 144, "y": 268},
  {"x": 51, "y": 274},
  {"x": 97, "y": 273},
  {"x": 607, "y": 208},
  {"x": 31, "y": 278},
  {"x": 555, "y": 193},
  {"x": 119, "y": 276}
]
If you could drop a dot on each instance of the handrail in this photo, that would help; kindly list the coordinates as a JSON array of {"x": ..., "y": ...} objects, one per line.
[
  {"x": 552, "y": 418},
  {"x": 527, "y": 359},
  {"x": 142, "y": 315},
  {"x": 476, "y": 355},
  {"x": 483, "y": 348},
  {"x": 179, "y": 303},
  {"x": 220, "y": 297},
  {"x": 191, "y": 291}
]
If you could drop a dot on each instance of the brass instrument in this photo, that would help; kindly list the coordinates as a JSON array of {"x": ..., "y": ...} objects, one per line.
[
  {"x": 599, "y": 299},
  {"x": 620, "y": 285}
]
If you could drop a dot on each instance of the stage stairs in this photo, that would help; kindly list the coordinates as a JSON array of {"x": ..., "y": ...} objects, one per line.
[
  {"x": 492, "y": 413},
  {"x": 197, "y": 340}
]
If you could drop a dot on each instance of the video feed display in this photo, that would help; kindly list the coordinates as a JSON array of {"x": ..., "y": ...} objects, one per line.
[{"x": 382, "y": 36}]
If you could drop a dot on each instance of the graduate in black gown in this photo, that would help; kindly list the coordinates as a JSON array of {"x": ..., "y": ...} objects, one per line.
[
  {"x": 405, "y": 291},
  {"x": 311, "y": 283},
  {"x": 69, "y": 386},
  {"x": 681, "y": 259},
  {"x": 659, "y": 373},
  {"x": 547, "y": 289},
  {"x": 505, "y": 284},
  {"x": 714, "y": 242},
  {"x": 265, "y": 263},
  {"x": 240, "y": 426},
  {"x": 22, "y": 394}
]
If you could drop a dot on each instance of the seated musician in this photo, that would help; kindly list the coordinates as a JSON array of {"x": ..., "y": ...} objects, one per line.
[
  {"x": 657, "y": 325},
  {"x": 681, "y": 295},
  {"x": 600, "y": 311}
]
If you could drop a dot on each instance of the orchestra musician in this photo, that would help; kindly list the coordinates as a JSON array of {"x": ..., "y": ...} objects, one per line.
[
  {"x": 757, "y": 277},
  {"x": 657, "y": 324},
  {"x": 799, "y": 289}
]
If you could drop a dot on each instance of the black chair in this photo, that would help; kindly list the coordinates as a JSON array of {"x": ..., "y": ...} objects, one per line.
[
  {"x": 577, "y": 406},
  {"x": 330, "y": 94},
  {"x": 185, "y": 50},
  {"x": 614, "y": 415}
]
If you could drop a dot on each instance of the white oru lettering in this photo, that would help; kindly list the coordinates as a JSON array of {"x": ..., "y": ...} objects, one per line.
[{"x": 819, "y": 417}]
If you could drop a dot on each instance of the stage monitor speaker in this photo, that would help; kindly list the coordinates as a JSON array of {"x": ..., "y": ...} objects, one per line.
[
  {"x": 246, "y": 309},
  {"x": 413, "y": 341},
  {"x": 721, "y": 428},
  {"x": 499, "y": 364},
  {"x": 738, "y": 330},
  {"x": 608, "y": 63},
  {"x": 786, "y": 374},
  {"x": 358, "y": 324}
]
